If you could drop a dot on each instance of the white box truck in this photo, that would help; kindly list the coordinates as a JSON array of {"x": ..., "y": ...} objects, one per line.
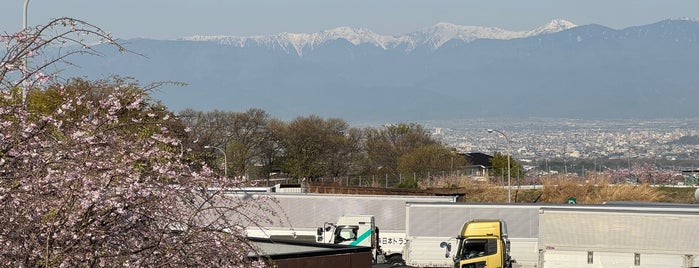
[
  {"x": 303, "y": 213},
  {"x": 619, "y": 236}
]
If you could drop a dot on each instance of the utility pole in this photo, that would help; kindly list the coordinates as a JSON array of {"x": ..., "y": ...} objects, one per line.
[
  {"x": 225, "y": 158},
  {"x": 509, "y": 153},
  {"x": 25, "y": 89}
]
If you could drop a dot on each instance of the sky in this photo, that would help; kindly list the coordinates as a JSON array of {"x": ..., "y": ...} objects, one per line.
[{"x": 173, "y": 19}]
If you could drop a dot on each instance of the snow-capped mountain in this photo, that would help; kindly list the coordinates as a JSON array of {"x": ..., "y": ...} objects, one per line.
[
  {"x": 432, "y": 37},
  {"x": 552, "y": 27},
  {"x": 297, "y": 42},
  {"x": 450, "y": 71}
]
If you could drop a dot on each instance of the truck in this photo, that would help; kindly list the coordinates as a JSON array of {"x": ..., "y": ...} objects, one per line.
[
  {"x": 357, "y": 230},
  {"x": 430, "y": 224},
  {"x": 302, "y": 213},
  {"x": 483, "y": 243},
  {"x": 545, "y": 235},
  {"x": 619, "y": 236}
]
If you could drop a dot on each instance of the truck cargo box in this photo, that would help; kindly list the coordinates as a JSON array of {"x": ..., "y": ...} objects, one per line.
[{"x": 629, "y": 236}]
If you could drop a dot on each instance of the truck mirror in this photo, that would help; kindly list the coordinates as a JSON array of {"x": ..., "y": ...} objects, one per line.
[{"x": 448, "y": 248}]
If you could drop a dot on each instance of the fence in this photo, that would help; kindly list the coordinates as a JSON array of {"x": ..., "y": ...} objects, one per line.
[{"x": 401, "y": 180}]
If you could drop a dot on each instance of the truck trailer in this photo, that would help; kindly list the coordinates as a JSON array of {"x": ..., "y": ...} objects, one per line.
[
  {"x": 619, "y": 236},
  {"x": 303, "y": 213}
]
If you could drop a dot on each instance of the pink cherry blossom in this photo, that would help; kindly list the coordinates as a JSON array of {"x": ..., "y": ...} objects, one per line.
[{"x": 96, "y": 181}]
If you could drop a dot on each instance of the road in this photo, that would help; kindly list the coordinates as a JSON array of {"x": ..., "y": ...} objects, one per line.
[{"x": 389, "y": 266}]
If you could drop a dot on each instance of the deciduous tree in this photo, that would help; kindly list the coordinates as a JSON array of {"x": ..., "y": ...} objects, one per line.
[
  {"x": 385, "y": 146},
  {"x": 316, "y": 147},
  {"x": 88, "y": 176},
  {"x": 243, "y": 136},
  {"x": 71, "y": 35},
  {"x": 429, "y": 158},
  {"x": 96, "y": 183}
]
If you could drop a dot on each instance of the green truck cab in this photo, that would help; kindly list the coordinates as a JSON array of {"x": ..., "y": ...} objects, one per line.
[{"x": 483, "y": 244}]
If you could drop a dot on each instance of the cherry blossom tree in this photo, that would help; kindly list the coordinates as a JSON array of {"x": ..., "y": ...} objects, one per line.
[
  {"x": 643, "y": 173},
  {"x": 91, "y": 174},
  {"x": 63, "y": 36}
]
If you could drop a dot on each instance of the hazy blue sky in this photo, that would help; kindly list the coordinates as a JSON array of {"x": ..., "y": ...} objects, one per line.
[{"x": 171, "y": 19}]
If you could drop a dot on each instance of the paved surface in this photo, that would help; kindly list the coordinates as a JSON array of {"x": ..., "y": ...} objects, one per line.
[{"x": 389, "y": 266}]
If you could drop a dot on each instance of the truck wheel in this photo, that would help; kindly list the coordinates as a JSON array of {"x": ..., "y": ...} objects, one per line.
[{"x": 396, "y": 260}]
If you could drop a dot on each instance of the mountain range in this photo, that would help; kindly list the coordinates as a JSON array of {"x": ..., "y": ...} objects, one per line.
[
  {"x": 431, "y": 37},
  {"x": 445, "y": 71}
]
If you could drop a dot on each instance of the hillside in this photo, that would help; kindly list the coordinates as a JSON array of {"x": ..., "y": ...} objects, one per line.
[{"x": 441, "y": 72}]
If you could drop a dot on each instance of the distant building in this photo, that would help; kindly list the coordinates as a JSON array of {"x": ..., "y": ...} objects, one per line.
[{"x": 478, "y": 165}]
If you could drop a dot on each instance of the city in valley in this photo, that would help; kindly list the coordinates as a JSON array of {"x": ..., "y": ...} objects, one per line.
[{"x": 667, "y": 144}]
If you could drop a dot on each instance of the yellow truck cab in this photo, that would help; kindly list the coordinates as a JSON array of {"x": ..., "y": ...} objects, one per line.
[{"x": 483, "y": 244}]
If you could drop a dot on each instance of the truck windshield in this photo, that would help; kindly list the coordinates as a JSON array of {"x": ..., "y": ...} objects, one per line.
[
  {"x": 474, "y": 248},
  {"x": 346, "y": 233}
]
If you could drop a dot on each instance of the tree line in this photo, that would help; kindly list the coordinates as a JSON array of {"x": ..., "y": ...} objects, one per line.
[{"x": 254, "y": 145}]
